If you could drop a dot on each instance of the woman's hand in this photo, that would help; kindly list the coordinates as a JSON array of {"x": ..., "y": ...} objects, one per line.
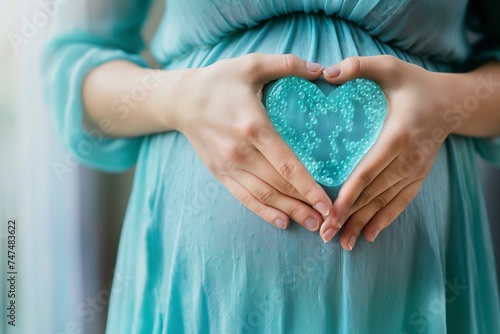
[
  {"x": 389, "y": 176},
  {"x": 219, "y": 109}
]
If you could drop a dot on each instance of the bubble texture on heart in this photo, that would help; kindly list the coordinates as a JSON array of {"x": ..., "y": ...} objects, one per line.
[{"x": 329, "y": 134}]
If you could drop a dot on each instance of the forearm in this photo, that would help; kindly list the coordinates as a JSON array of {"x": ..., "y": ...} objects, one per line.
[
  {"x": 125, "y": 100},
  {"x": 476, "y": 108}
]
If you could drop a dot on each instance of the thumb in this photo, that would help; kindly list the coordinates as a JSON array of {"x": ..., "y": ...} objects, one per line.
[
  {"x": 264, "y": 68},
  {"x": 384, "y": 70}
]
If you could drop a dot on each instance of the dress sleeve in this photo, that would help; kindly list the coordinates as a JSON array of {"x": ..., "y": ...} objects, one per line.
[
  {"x": 486, "y": 49},
  {"x": 85, "y": 34}
]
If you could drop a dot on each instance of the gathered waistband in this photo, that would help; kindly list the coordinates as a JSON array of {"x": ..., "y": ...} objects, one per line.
[{"x": 314, "y": 37}]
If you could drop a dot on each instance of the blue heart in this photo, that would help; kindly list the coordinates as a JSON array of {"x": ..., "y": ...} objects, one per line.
[{"x": 329, "y": 134}]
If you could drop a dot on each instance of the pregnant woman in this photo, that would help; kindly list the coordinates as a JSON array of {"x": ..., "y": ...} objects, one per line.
[{"x": 413, "y": 254}]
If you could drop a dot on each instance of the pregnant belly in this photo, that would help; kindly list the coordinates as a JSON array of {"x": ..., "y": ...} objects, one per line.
[
  {"x": 211, "y": 252},
  {"x": 193, "y": 211},
  {"x": 196, "y": 209},
  {"x": 208, "y": 254},
  {"x": 325, "y": 40}
]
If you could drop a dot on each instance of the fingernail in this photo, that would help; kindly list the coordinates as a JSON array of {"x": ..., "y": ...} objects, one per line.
[
  {"x": 351, "y": 242},
  {"x": 280, "y": 223},
  {"x": 341, "y": 221},
  {"x": 328, "y": 235},
  {"x": 332, "y": 71},
  {"x": 312, "y": 224},
  {"x": 322, "y": 208},
  {"x": 313, "y": 67},
  {"x": 374, "y": 234}
]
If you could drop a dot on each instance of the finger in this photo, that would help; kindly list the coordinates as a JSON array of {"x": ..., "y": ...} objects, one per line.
[
  {"x": 262, "y": 168},
  {"x": 360, "y": 219},
  {"x": 386, "y": 180},
  {"x": 268, "y": 213},
  {"x": 387, "y": 215},
  {"x": 286, "y": 163},
  {"x": 262, "y": 68},
  {"x": 267, "y": 195},
  {"x": 252, "y": 160},
  {"x": 328, "y": 230},
  {"x": 385, "y": 70},
  {"x": 383, "y": 152}
]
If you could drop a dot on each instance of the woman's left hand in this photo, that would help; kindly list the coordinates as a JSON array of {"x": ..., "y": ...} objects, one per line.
[{"x": 390, "y": 175}]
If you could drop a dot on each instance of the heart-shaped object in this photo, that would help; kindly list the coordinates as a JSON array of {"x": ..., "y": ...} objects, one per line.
[{"x": 329, "y": 134}]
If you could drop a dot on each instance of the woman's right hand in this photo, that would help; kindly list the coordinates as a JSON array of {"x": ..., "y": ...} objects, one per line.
[{"x": 219, "y": 109}]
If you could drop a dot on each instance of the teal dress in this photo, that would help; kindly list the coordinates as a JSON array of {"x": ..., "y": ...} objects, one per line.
[{"x": 192, "y": 259}]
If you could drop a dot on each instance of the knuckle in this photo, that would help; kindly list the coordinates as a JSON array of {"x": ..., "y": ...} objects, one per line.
[
  {"x": 252, "y": 57},
  {"x": 244, "y": 197},
  {"x": 406, "y": 199},
  {"x": 386, "y": 218},
  {"x": 353, "y": 64},
  {"x": 252, "y": 64},
  {"x": 287, "y": 169},
  {"x": 261, "y": 211},
  {"x": 234, "y": 153},
  {"x": 366, "y": 177},
  {"x": 356, "y": 225},
  {"x": 289, "y": 62},
  {"x": 266, "y": 196},
  {"x": 311, "y": 195},
  {"x": 250, "y": 130},
  {"x": 391, "y": 66},
  {"x": 267, "y": 134},
  {"x": 223, "y": 178},
  {"x": 297, "y": 213},
  {"x": 365, "y": 197},
  {"x": 400, "y": 138},
  {"x": 380, "y": 202},
  {"x": 221, "y": 170},
  {"x": 404, "y": 138},
  {"x": 213, "y": 168},
  {"x": 286, "y": 187}
]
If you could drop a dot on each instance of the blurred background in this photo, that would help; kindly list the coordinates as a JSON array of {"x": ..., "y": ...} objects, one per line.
[{"x": 68, "y": 223}]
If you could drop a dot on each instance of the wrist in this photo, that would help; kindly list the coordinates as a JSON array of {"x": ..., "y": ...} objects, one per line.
[
  {"x": 169, "y": 94},
  {"x": 474, "y": 111},
  {"x": 460, "y": 102}
]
